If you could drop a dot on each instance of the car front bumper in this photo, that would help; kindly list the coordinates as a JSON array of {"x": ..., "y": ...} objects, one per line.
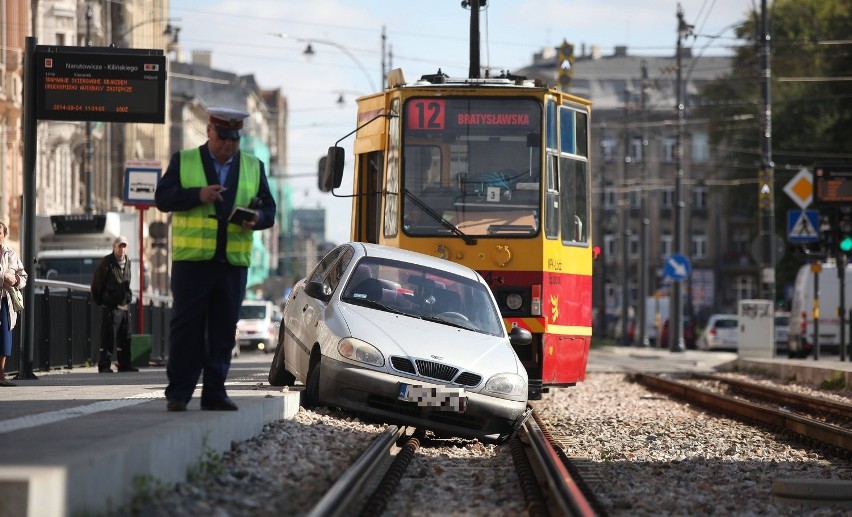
[{"x": 374, "y": 394}]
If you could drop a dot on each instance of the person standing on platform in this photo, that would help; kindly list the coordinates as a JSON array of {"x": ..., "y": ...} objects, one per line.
[
  {"x": 13, "y": 275},
  {"x": 111, "y": 290},
  {"x": 210, "y": 255}
]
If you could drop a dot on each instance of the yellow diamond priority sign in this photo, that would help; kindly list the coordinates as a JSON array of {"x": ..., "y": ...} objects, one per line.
[{"x": 801, "y": 188}]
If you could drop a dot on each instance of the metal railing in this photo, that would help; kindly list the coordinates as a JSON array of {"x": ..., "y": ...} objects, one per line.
[{"x": 68, "y": 327}]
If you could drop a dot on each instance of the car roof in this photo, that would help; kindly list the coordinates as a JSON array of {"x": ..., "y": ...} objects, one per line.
[{"x": 421, "y": 259}]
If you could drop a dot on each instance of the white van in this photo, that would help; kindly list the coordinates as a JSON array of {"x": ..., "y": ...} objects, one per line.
[
  {"x": 801, "y": 331},
  {"x": 258, "y": 325}
]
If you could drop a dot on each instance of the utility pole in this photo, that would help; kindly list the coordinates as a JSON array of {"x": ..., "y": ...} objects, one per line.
[
  {"x": 625, "y": 228},
  {"x": 646, "y": 221},
  {"x": 676, "y": 312},
  {"x": 766, "y": 198},
  {"x": 90, "y": 151}
]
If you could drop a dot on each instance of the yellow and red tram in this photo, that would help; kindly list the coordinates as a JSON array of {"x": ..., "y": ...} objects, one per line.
[{"x": 492, "y": 173}]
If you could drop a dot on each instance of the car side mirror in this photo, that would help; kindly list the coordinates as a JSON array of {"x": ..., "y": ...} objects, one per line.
[
  {"x": 318, "y": 290},
  {"x": 520, "y": 336}
]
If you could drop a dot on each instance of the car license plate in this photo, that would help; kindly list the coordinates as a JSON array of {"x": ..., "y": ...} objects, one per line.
[{"x": 442, "y": 398}]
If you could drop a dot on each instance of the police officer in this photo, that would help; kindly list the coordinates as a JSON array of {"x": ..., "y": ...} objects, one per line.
[
  {"x": 210, "y": 255},
  {"x": 111, "y": 290}
]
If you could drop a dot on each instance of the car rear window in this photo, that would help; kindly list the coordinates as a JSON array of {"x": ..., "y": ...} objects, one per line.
[{"x": 726, "y": 324}]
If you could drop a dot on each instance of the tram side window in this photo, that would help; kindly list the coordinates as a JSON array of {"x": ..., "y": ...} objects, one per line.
[
  {"x": 573, "y": 203},
  {"x": 551, "y": 201}
]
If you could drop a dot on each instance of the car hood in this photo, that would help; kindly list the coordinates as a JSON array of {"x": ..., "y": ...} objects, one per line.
[{"x": 399, "y": 335}]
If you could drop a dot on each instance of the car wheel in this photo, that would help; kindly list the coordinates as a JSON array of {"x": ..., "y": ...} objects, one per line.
[
  {"x": 310, "y": 397},
  {"x": 278, "y": 375}
]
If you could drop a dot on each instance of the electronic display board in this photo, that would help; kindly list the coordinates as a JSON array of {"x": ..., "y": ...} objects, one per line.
[
  {"x": 100, "y": 84},
  {"x": 833, "y": 183}
]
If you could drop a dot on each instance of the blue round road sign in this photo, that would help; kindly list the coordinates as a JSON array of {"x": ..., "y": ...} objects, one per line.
[{"x": 677, "y": 266}]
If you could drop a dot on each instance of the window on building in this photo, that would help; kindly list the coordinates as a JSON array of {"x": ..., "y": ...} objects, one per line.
[
  {"x": 668, "y": 199},
  {"x": 700, "y": 147},
  {"x": 608, "y": 147},
  {"x": 635, "y": 199},
  {"x": 741, "y": 240},
  {"x": 667, "y": 150},
  {"x": 636, "y": 150},
  {"x": 633, "y": 243},
  {"x": 699, "y": 197},
  {"x": 609, "y": 200},
  {"x": 667, "y": 241},
  {"x": 744, "y": 286},
  {"x": 609, "y": 245},
  {"x": 699, "y": 245}
]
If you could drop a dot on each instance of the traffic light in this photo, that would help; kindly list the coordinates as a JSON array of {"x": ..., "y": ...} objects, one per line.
[
  {"x": 844, "y": 230},
  {"x": 565, "y": 65},
  {"x": 826, "y": 232}
]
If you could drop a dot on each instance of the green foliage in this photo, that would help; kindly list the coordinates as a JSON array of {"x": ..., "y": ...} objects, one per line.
[
  {"x": 836, "y": 382},
  {"x": 811, "y": 109}
]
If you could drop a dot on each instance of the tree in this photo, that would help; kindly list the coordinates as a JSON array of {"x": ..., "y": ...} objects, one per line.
[{"x": 811, "y": 104}]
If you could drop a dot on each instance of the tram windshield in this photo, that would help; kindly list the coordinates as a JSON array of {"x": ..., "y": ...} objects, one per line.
[{"x": 472, "y": 166}]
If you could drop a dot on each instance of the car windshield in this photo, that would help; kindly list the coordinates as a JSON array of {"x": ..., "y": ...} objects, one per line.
[
  {"x": 425, "y": 293},
  {"x": 253, "y": 312}
]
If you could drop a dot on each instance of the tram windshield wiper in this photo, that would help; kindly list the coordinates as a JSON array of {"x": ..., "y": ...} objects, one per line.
[{"x": 436, "y": 216}]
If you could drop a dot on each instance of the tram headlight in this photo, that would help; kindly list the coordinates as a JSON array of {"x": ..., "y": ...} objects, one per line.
[{"x": 514, "y": 301}]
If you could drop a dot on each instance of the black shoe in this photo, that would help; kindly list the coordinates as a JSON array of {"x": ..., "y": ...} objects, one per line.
[
  {"x": 105, "y": 370},
  {"x": 176, "y": 405},
  {"x": 127, "y": 369},
  {"x": 224, "y": 404}
]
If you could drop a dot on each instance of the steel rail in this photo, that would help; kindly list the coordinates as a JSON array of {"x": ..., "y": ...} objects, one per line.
[
  {"x": 806, "y": 427},
  {"x": 566, "y": 493},
  {"x": 346, "y": 491},
  {"x": 783, "y": 397}
]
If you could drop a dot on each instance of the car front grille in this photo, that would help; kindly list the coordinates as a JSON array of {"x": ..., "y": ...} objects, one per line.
[
  {"x": 436, "y": 370},
  {"x": 433, "y": 370}
]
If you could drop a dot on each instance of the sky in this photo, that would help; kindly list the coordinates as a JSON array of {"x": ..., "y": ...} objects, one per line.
[{"x": 267, "y": 38}]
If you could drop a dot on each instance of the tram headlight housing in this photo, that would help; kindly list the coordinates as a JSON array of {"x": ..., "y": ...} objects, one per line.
[{"x": 514, "y": 301}]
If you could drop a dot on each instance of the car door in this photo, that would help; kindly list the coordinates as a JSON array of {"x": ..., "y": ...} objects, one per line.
[
  {"x": 297, "y": 337},
  {"x": 308, "y": 311}
]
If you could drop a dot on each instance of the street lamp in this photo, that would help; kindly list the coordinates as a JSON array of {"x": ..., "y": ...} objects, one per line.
[
  {"x": 309, "y": 53},
  {"x": 170, "y": 30}
]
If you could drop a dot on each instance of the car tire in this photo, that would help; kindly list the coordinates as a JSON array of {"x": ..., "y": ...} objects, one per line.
[
  {"x": 278, "y": 375},
  {"x": 310, "y": 397}
]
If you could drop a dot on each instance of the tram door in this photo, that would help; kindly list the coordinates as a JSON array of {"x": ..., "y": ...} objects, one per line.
[{"x": 368, "y": 211}]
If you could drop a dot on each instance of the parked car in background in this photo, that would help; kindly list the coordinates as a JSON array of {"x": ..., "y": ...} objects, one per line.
[
  {"x": 721, "y": 333},
  {"x": 782, "y": 332},
  {"x": 688, "y": 333},
  {"x": 404, "y": 338},
  {"x": 257, "y": 328}
]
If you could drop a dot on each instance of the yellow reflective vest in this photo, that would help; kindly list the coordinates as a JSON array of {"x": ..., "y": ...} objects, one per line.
[{"x": 194, "y": 231}]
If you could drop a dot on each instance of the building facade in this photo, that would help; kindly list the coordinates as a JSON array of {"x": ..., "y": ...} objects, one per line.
[{"x": 634, "y": 155}]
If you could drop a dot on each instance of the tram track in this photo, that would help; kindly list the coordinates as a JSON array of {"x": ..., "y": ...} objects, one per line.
[
  {"x": 544, "y": 474},
  {"x": 755, "y": 409}
]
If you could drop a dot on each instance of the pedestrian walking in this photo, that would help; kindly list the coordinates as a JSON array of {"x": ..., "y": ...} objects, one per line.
[
  {"x": 111, "y": 290},
  {"x": 14, "y": 277},
  {"x": 211, "y": 251}
]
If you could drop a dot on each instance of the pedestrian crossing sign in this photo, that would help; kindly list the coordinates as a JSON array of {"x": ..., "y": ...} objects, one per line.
[{"x": 802, "y": 226}]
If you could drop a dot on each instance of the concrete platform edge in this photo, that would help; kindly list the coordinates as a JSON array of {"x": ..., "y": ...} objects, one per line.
[
  {"x": 77, "y": 482},
  {"x": 803, "y": 372}
]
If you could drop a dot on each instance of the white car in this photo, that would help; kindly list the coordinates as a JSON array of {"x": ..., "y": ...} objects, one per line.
[
  {"x": 721, "y": 333},
  {"x": 404, "y": 338}
]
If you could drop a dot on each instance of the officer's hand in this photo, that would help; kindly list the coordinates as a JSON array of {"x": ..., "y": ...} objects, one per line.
[
  {"x": 249, "y": 224},
  {"x": 211, "y": 193}
]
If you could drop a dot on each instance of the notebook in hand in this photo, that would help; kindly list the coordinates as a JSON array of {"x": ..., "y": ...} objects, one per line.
[{"x": 240, "y": 214}]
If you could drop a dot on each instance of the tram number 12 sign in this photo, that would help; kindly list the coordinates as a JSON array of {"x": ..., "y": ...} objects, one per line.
[{"x": 100, "y": 84}]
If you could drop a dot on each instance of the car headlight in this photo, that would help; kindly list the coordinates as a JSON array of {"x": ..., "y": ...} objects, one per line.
[
  {"x": 507, "y": 385},
  {"x": 360, "y": 351}
]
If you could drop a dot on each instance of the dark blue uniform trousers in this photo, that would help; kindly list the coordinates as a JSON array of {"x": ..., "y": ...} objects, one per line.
[{"x": 207, "y": 298}]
